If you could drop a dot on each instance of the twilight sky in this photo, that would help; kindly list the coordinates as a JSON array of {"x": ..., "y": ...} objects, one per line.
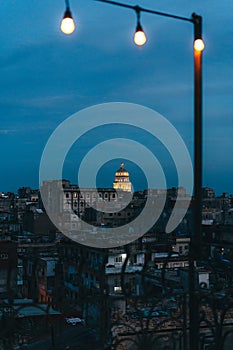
[{"x": 47, "y": 76}]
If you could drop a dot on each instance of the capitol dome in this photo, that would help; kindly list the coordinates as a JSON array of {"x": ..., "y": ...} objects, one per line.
[{"x": 122, "y": 181}]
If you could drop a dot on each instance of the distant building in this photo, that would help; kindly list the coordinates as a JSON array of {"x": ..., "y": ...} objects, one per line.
[
  {"x": 122, "y": 181},
  {"x": 215, "y": 210},
  {"x": 33, "y": 257},
  {"x": 29, "y": 194},
  {"x": 229, "y": 217},
  {"x": 60, "y": 197},
  {"x": 37, "y": 222},
  {"x": 8, "y": 269},
  {"x": 201, "y": 275},
  {"x": 208, "y": 193},
  {"x": 45, "y": 272},
  {"x": 8, "y": 217},
  {"x": 181, "y": 245}
]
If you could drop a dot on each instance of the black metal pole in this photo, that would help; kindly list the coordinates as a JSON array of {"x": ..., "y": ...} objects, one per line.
[
  {"x": 198, "y": 135},
  {"x": 196, "y": 239},
  {"x": 184, "y": 308}
]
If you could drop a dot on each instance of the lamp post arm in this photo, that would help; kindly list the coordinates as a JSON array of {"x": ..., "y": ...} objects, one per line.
[{"x": 142, "y": 9}]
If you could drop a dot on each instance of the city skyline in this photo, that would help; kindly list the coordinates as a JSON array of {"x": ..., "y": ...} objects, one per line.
[
  {"x": 47, "y": 76},
  {"x": 25, "y": 186}
]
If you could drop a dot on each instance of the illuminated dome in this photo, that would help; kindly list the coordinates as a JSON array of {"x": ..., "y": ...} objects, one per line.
[{"x": 122, "y": 181}]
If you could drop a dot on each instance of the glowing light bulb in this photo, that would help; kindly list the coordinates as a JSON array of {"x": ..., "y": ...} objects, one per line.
[
  {"x": 199, "y": 45},
  {"x": 139, "y": 36},
  {"x": 67, "y": 23}
]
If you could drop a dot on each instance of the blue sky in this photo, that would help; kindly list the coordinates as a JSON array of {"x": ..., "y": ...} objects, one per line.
[{"x": 47, "y": 76}]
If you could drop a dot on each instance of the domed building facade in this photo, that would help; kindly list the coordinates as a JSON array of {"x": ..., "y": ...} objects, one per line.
[{"x": 122, "y": 181}]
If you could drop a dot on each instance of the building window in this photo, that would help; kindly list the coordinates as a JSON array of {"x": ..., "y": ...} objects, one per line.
[
  {"x": 117, "y": 289},
  {"x": 118, "y": 259}
]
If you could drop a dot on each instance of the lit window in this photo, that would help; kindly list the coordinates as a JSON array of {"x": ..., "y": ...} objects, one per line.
[{"x": 118, "y": 259}]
